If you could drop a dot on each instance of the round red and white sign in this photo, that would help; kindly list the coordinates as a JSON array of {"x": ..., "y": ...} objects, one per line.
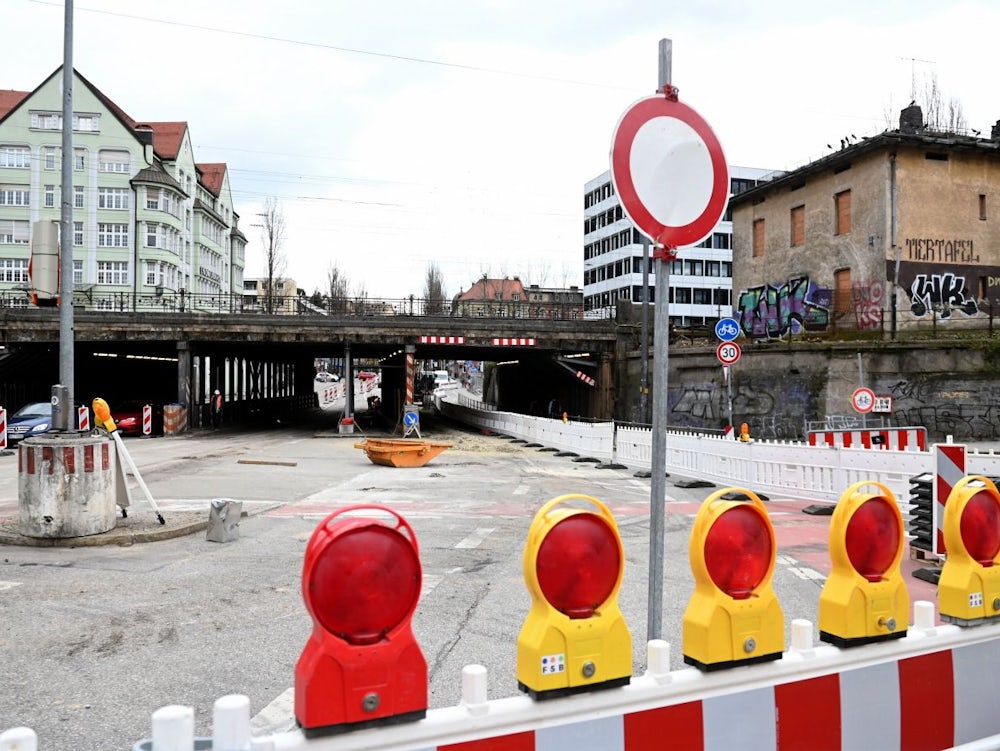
[
  {"x": 669, "y": 171},
  {"x": 863, "y": 399},
  {"x": 728, "y": 352}
]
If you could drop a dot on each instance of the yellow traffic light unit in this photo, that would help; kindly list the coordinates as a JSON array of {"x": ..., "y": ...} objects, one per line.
[
  {"x": 102, "y": 413},
  {"x": 969, "y": 587},
  {"x": 733, "y": 616},
  {"x": 574, "y": 637},
  {"x": 865, "y": 598}
]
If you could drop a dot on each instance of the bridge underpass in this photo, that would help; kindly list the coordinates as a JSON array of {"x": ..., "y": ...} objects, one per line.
[{"x": 264, "y": 364}]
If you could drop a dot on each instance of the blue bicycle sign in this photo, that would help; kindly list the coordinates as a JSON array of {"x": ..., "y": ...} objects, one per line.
[{"x": 727, "y": 329}]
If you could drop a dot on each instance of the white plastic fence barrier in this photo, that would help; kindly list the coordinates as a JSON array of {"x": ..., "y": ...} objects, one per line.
[{"x": 927, "y": 689}]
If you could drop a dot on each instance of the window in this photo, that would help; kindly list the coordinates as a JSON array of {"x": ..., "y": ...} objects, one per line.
[
  {"x": 77, "y": 233},
  {"x": 77, "y": 272},
  {"x": 842, "y": 293},
  {"x": 682, "y": 295},
  {"x": 13, "y": 269},
  {"x": 114, "y": 161},
  {"x": 152, "y": 234},
  {"x": 694, "y": 268},
  {"x": 14, "y": 232},
  {"x": 113, "y": 198},
  {"x": 152, "y": 198},
  {"x": 13, "y": 195},
  {"x": 79, "y": 159},
  {"x": 798, "y": 226},
  {"x": 982, "y": 207},
  {"x": 112, "y": 272},
  {"x": 758, "y": 238},
  {"x": 77, "y": 196},
  {"x": 49, "y": 156},
  {"x": 86, "y": 123},
  {"x": 50, "y": 196},
  {"x": 15, "y": 156},
  {"x": 842, "y": 212},
  {"x": 713, "y": 268},
  {"x": 152, "y": 274},
  {"x": 112, "y": 235},
  {"x": 701, "y": 296}
]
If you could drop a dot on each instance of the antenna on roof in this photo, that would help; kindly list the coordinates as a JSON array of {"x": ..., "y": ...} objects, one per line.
[{"x": 913, "y": 75}]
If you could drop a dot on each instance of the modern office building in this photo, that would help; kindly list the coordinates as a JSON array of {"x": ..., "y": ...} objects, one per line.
[
  {"x": 152, "y": 229},
  {"x": 700, "y": 279}
]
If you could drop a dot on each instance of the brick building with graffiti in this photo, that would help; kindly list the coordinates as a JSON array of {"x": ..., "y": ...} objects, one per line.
[{"x": 892, "y": 231}]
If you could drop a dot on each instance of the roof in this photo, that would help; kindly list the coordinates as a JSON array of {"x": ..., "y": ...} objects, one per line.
[
  {"x": 488, "y": 289},
  {"x": 158, "y": 176},
  {"x": 212, "y": 176},
  {"x": 9, "y": 99},
  {"x": 889, "y": 140},
  {"x": 167, "y": 137}
]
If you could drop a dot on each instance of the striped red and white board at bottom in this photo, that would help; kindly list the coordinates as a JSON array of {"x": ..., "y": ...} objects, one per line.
[
  {"x": 93, "y": 457},
  {"x": 932, "y": 701},
  {"x": 513, "y": 342},
  {"x": 442, "y": 340},
  {"x": 892, "y": 439}
]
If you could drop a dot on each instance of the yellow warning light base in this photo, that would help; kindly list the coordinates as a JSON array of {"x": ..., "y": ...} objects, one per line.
[
  {"x": 558, "y": 655},
  {"x": 852, "y": 609},
  {"x": 720, "y": 631},
  {"x": 968, "y": 591}
]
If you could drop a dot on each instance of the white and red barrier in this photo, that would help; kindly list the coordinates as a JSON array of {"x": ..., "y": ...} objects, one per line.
[
  {"x": 3, "y": 429},
  {"x": 83, "y": 418},
  {"x": 949, "y": 468},
  {"x": 147, "y": 420},
  {"x": 889, "y": 439}
]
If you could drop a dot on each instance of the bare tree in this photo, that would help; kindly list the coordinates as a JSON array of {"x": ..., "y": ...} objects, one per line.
[
  {"x": 337, "y": 289},
  {"x": 361, "y": 299},
  {"x": 940, "y": 113},
  {"x": 434, "y": 293},
  {"x": 273, "y": 237}
]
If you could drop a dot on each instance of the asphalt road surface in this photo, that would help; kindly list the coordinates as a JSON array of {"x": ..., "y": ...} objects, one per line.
[{"x": 94, "y": 639}]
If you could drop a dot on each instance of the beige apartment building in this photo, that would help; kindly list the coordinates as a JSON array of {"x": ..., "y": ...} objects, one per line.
[{"x": 884, "y": 233}]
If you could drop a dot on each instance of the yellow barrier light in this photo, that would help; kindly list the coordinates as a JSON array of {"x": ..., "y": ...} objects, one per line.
[
  {"x": 102, "y": 414},
  {"x": 733, "y": 616},
  {"x": 574, "y": 637},
  {"x": 969, "y": 586},
  {"x": 865, "y": 598}
]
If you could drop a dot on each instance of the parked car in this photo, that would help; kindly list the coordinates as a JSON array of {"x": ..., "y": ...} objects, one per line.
[
  {"x": 32, "y": 419},
  {"x": 324, "y": 377},
  {"x": 128, "y": 417}
]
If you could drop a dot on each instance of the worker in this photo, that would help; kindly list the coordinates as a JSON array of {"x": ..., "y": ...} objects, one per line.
[
  {"x": 745, "y": 433},
  {"x": 216, "y": 409}
]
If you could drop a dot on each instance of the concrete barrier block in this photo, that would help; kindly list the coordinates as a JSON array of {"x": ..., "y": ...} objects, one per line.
[{"x": 224, "y": 520}]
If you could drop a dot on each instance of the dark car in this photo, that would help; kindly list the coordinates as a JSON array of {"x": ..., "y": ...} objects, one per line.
[
  {"x": 32, "y": 419},
  {"x": 128, "y": 417}
]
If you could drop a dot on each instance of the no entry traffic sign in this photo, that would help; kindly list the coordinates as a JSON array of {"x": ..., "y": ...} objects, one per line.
[
  {"x": 669, "y": 171},
  {"x": 863, "y": 399},
  {"x": 728, "y": 352}
]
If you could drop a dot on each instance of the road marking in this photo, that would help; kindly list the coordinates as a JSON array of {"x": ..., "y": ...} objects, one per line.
[
  {"x": 806, "y": 573},
  {"x": 8, "y": 585},
  {"x": 476, "y": 538}
]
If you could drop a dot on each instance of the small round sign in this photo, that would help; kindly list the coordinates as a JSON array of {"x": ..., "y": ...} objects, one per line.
[
  {"x": 410, "y": 419},
  {"x": 728, "y": 353},
  {"x": 727, "y": 329},
  {"x": 863, "y": 399},
  {"x": 669, "y": 171}
]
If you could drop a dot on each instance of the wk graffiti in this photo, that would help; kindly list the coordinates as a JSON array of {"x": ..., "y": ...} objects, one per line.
[
  {"x": 772, "y": 312},
  {"x": 943, "y": 292}
]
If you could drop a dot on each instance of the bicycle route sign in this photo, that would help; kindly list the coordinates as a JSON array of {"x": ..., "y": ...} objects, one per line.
[{"x": 727, "y": 329}]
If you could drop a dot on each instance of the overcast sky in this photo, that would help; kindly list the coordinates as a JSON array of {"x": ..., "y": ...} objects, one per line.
[{"x": 462, "y": 132}]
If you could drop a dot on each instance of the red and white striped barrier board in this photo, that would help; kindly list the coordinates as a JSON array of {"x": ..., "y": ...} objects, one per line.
[
  {"x": 83, "y": 418},
  {"x": 586, "y": 378},
  {"x": 3, "y": 429},
  {"x": 513, "y": 342},
  {"x": 442, "y": 340},
  {"x": 410, "y": 377},
  {"x": 890, "y": 439},
  {"x": 949, "y": 463},
  {"x": 147, "y": 419}
]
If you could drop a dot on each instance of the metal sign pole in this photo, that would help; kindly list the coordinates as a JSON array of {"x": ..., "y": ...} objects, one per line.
[{"x": 661, "y": 337}]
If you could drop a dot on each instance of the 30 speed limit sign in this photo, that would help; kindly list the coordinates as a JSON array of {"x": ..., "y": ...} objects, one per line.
[
  {"x": 863, "y": 400},
  {"x": 728, "y": 353}
]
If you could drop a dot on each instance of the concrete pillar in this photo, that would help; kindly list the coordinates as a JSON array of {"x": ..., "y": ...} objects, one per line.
[{"x": 66, "y": 485}]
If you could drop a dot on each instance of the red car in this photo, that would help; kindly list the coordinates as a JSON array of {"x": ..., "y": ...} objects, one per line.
[{"x": 128, "y": 417}]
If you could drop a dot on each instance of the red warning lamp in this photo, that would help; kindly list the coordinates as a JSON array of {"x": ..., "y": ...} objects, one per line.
[
  {"x": 574, "y": 638},
  {"x": 865, "y": 597},
  {"x": 362, "y": 665},
  {"x": 733, "y": 616},
  {"x": 969, "y": 586}
]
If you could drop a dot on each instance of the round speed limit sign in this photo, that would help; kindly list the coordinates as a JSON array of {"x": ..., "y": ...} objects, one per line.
[
  {"x": 728, "y": 353},
  {"x": 863, "y": 400}
]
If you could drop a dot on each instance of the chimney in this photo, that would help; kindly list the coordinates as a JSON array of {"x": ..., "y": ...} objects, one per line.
[
  {"x": 911, "y": 119},
  {"x": 995, "y": 133}
]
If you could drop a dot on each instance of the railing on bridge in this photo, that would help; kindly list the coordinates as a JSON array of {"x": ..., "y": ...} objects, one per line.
[{"x": 181, "y": 301}]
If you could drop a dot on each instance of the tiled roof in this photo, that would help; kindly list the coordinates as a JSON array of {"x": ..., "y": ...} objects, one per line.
[
  {"x": 200, "y": 205},
  {"x": 211, "y": 176},
  {"x": 158, "y": 176},
  {"x": 488, "y": 289},
  {"x": 167, "y": 137},
  {"x": 9, "y": 99}
]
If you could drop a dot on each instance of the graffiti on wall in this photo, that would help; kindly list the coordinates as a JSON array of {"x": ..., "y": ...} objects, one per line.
[
  {"x": 771, "y": 312},
  {"x": 941, "y": 250},
  {"x": 941, "y": 292},
  {"x": 966, "y": 409},
  {"x": 868, "y": 298}
]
